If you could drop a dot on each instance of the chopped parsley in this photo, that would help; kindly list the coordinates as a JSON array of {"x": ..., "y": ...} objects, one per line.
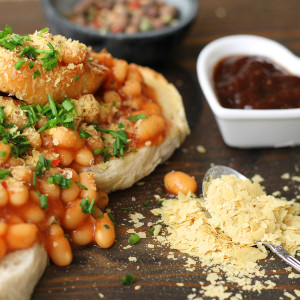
[
  {"x": 105, "y": 154},
  {"x": 2, "y": 153},
  {"x": 146, "y": 204},
  {"x": 84, "y": 134},
  {"x": 4, "y": 173},
  {"x": 106, "y": 226},
  {"x": 137, "y": 117},
  {"x": 57, "y": 114},
  {"x": 112, "y": 219},
  {"x": 134, "y": 239},
  {"x": 61, "y": 180},
  {"x": 81, "y": 185},
  {"x": 19, "y": 64},
  {"x": 128, "y": 279},
  {"x": 86, "y": 206},
  {"x": 36, "y": 74},
  {"x": 97, "y": 151},
  {"x": 9, "y": 134},
  {"x": 76, "y": 78},
  {"x": 42, "y": 165},
  {"x": 11, "y": 41},
  {"x": 121, "y": 140},
  {"x": 151, "y": 230},
  {"x": 43, "y": 200}
]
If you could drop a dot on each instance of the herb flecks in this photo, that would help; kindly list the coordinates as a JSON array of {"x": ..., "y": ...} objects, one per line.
[
  {"x": 121, "y": 141},
  {"x": 49, "y": 57},
  {"x": 9, "y": 134},
  {"x": 87, "y": 207}
]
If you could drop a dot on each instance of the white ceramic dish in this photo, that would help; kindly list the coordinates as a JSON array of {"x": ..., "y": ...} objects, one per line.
[{"x": 250, "y": 128}]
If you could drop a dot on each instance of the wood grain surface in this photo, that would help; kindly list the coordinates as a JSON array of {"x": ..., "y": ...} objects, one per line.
[{"x": 96, "y": 273}]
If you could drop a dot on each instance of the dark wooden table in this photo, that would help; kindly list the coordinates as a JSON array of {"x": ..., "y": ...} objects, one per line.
[{"x": 97, "y": 273}]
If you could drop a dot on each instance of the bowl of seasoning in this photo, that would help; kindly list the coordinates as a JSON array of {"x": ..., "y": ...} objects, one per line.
[
  {"x": 140, "y": 31},
  {"x": 252, "y": 86}
]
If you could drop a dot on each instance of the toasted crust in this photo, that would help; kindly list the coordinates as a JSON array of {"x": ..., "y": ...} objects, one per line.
[
  {"x": 122, "y": 173},
  {"x": 20, "y": 272}
]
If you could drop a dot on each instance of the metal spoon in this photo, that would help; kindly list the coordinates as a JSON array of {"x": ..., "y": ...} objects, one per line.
[{"x": 219, "y": 171}]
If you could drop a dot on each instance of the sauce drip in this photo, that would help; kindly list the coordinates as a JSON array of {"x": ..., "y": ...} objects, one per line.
[{"x": 255, "y": 82}]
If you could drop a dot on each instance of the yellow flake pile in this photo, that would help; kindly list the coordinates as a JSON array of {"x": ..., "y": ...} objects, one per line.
[{"x": 224, "y": 229}]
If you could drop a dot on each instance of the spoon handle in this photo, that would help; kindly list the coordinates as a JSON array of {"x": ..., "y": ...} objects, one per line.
[{"x": 283, "y": 254}]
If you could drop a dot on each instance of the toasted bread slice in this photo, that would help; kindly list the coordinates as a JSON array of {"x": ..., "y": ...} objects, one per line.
[
  {"x": 20, "y": 272},
  {"x": 122, "y": 173}
]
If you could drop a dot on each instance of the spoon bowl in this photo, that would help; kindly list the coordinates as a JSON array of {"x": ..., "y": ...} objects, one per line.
[{"x": 217, "y": 172}]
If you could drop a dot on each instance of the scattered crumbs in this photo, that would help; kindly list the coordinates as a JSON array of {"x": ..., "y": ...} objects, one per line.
[
  {"x": 191, "y": 296},
  {"x": 127, "y": 247},
  {"x": 157, "y": 197},
  {"x": 131, "y": 230},
  {"x": 157, "y": 229},
  {"x": 276, "y": 193},
  {"x": 137, "y": 287},
  {"x": 135, "y": 218},
  {"x": 257, "y": 178},
  {"x": 151, "y": 246},
  {"x": 289, "y": 295},
  {"x": 297, "y": 292},
  {"x": 141, "y": 183},
  {"x": 285, "y": 176},
  {"x": 296, "y": 178},
  {"x": 142, "y": 234},
  {"x": 132, "y": 259},
  {"x": 189, "y": 226},
  {"x": 184, "y": 150},
  {"x": 286, "y": 188},
  {"x": 133, "y": 199},
  {"x": 212, "y": 277},
  {"x": 296, "y": 168},
  {"x": 294, "y": 276},
  {"x": 220, "y": 12},
  {"x": 201, "y": 149},
  {"x": 218, "y": 291},
  {"x": 101, "y": 295},
  {"x": 179, "y": 284}
]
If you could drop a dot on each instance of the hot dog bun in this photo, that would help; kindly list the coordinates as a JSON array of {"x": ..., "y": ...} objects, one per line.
[{"x": 121, "y": 173}]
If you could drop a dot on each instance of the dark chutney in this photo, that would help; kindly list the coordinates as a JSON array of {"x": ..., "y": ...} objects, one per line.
[{"x": 255, "y": 82}]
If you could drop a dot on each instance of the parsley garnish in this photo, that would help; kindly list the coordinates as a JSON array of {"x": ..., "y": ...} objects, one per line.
[
  {"x": 19, "y": 64},
  {"x": 112, "y": 219},
  {"x": 106, "y": 226},
  {"x": 19, "y": 143},
  {"x": 97, "y": 151},
  {"x": 120, "y": 144},
  {"x": 4, "y": 173},
  {"x": 43, "y": 200},
  {"x": 61, "y": 180},
  {"x": 10, "y": 41},
  {"x": 134, "y": 239},
  {"x": 42, "y": 165},
  {"x": 105, "y": 154},
  {"x": 81, "y": 185},
  {"x": 151, "y": 230},
  {"x": 84, "y": 134},
  {"x": 128, "y": 279},
  {"x": 137, "y": 117},
  {"x": 86, "y": 206},
  {"x": 76, "y": 78}
]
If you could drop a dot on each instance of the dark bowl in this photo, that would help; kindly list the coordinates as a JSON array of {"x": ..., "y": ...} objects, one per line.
[{"x": 142, "y": 48}]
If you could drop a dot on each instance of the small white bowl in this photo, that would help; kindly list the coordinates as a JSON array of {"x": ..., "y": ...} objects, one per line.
[{"x": 254, "y": 128}]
